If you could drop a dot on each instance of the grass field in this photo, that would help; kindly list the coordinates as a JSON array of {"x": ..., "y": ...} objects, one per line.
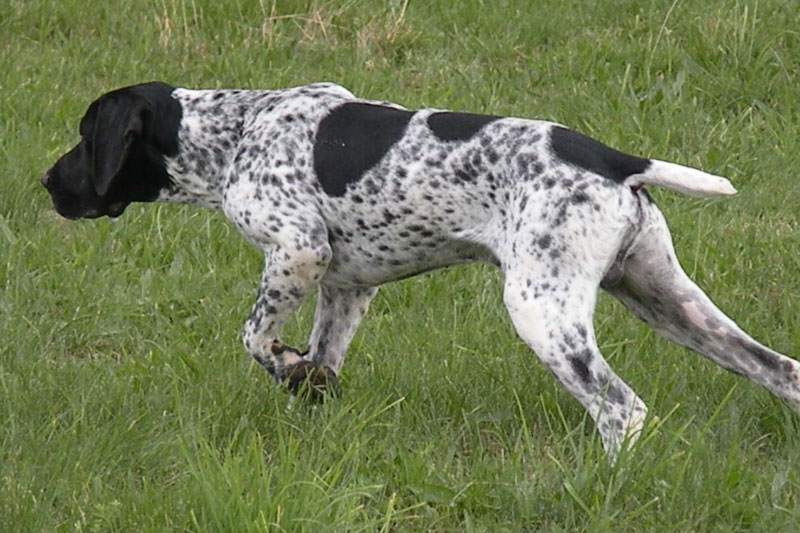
[{"x": 128, "y": 404}]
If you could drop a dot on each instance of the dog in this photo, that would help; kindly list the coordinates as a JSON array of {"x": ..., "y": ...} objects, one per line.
[{"x": 344, "y": 194}]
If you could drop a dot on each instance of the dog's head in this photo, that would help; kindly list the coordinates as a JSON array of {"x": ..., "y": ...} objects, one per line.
[{"x": 125, "y": 135}]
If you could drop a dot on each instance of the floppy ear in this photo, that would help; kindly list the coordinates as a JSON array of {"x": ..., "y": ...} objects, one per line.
[{"x": 118, "y": 124}]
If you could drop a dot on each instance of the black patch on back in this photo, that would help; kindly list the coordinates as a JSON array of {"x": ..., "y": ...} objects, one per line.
[
  {"x": 457, "y": 126},
  {"x": 594, "y": 156},
  {"x": 352, "y": 139}
]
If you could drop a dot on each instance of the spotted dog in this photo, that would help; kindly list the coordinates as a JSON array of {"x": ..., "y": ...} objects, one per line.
[{"x": 343, "y": 194}]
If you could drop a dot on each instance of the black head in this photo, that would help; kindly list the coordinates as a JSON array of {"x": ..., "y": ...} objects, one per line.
[{"x": 125, "y": 135}]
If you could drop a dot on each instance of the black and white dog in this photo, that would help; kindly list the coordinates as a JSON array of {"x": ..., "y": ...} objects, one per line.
[{"x": 344, "y": 194}]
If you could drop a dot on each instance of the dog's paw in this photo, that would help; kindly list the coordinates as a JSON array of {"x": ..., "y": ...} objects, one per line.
[{"x": 311, "y": 382}]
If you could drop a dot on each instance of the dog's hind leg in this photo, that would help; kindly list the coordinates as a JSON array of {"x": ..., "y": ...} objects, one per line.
[
  {"x": 657, "y": 290},
  {"x": 552, "y": 265},
  {"x": 554, "y": 250},
  {"x": 554, "y": 318}
]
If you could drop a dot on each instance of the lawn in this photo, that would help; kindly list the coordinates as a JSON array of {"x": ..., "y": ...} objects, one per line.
[{"x": 127, "y": 402}]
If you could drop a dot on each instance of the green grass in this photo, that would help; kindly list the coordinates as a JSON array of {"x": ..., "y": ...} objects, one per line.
[{"x": 128, "y": 404}]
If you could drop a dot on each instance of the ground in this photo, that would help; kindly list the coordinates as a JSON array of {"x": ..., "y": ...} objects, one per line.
[{"x": 127, "y": 402}]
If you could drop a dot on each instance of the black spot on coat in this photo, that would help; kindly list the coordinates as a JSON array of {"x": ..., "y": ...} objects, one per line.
[
  {"x": 457, "y": 126},
  {"x": 352, "y": 139},
  {"x": 594, "y": 156},
  {"x": 581, "y": 369}
]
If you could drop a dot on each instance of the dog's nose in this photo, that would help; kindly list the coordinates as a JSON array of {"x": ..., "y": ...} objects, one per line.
[{"x": 45, "y": 179}]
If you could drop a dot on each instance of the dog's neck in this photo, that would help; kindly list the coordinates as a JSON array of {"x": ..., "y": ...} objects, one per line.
[
  {"x": 210, "y": 134},
  {"x": 210, "y": 131}
]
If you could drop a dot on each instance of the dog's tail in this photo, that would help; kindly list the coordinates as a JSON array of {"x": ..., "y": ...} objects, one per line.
[
  {"x": 596, "y": 157},
  {"x": 682, "y": 179}
]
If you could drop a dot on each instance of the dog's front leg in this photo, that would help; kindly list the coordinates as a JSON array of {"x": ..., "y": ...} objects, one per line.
[
  {"x": 338, "y": 314},
  {"x": 289, "y": 275}
]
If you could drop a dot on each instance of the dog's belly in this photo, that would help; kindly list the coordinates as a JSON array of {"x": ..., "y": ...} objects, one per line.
[
  {"x": 385, "y": 238},
  {"x": 361, "y": 264}
]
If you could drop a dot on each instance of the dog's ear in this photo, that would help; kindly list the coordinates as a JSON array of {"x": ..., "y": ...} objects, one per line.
[{"x": 118, "y": 124}]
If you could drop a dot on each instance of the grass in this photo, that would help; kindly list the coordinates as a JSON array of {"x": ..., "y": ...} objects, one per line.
[{"x": 128, "y": 404}]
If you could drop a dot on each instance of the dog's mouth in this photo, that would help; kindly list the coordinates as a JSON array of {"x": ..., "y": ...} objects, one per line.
[
  {"x": 112, "y": 211},
  {"x": 71, "y": 213},
  {"x": 115, "y": 210},
  {"x": 91, "y": 214}
]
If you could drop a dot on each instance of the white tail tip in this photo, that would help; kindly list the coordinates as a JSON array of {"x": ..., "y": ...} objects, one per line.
[{"x": 684, "y": 179}]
